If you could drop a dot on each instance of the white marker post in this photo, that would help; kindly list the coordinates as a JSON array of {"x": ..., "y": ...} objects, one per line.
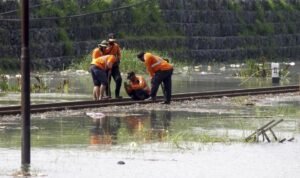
[{"x": 275, "y": 73}]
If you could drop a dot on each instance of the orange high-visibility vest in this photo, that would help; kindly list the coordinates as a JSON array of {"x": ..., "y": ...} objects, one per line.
[
  {"x": 102, "y": 62},
  {"x": 155, "y": 63},
  {"x": 141, "y": 84},
  {"x": 96, "y": 53}
]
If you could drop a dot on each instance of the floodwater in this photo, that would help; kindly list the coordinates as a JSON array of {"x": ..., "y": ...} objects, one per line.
[
  {"x": 201, "y": 138},
  {"x": 77, "y": 85}
]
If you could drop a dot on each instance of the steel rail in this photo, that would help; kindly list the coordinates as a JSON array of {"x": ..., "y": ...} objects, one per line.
[{"x": 38, "y": 108}]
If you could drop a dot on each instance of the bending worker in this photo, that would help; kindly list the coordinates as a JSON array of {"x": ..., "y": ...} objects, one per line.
[
  {"x": 114, "y": 49},
  {"x": 101, "y": 70},
  {"x": 100, "y": 50},
  {"x": 137, "y": 88},
  {"x": 161, "y": 72}
]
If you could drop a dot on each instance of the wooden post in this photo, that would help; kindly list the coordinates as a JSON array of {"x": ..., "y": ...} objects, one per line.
[
  {"x": 266, "y": 136},
  {"x": 273, "y": 134}
]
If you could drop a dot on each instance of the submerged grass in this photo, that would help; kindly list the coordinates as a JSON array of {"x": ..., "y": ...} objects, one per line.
[{"x": 202, "y": 138}]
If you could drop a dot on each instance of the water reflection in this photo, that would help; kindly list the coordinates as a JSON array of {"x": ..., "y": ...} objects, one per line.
[
  {"x": 137, "y": 128},
  {"x": 159, "y": 125},
  {"x": 150, "y": 127},
  {"x": 104, "y": 131}
]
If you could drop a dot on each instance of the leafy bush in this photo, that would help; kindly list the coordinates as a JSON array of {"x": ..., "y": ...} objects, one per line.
[{"x": 271, "y": 4}]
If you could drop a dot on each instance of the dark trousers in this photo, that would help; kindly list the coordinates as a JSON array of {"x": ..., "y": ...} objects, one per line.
[
  {"x": 164, "y": 77},
  {"x": 139, "y": 94},
  {"x": 115, "y": 73}
]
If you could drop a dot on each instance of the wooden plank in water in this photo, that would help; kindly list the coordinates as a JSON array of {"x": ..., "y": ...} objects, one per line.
[{"x": 258, "y": 131}]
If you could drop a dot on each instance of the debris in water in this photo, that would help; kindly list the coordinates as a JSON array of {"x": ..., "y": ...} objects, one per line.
[
  {"x": 121, "y": 162},
  {"x": 281, "y": 141},
  {"x": 97, "y": 115}
]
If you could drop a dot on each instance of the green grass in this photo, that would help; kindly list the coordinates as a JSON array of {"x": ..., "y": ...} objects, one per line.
[
  {"x": 254, "y": 69},
  {"x": 3, "y": 83},
  {"x": 261, "y": 68},
  {"x": 5, "y": 86},
  {"x": 263, "y": 28},
  {"x": 130, "y": 62},
  {"x": 9, "y": 65},
  {"x": 180, "y": 137}
]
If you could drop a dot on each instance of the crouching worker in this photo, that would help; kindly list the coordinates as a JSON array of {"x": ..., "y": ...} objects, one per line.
[
  {"x": 101, "y": 70},
  {"x": 137, "y": 87}
]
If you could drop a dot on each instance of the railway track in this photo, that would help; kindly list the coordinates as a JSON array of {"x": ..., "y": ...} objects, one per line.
[{"x": 38, "y": 108}]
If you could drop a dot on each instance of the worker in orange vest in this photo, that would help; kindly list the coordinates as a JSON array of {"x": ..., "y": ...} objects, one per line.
[
  {"x": 161, "y": 72},
  {"x": 137, "y": 87},
  {"x": 101, "y": 68},
  {"x": 114, "y": 49},
  {"x": 100, "y": 50}
]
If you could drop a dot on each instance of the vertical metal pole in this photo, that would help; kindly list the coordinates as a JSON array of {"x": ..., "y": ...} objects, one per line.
[{"x": 25, "y": 96}]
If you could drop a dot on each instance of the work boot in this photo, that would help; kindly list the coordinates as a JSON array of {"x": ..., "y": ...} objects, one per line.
[
  {"x": 150, "y": 99},
  {"x": 104, "y": 98}
]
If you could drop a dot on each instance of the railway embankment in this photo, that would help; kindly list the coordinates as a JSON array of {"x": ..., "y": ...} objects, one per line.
[{"x": 195, "y": 30}]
